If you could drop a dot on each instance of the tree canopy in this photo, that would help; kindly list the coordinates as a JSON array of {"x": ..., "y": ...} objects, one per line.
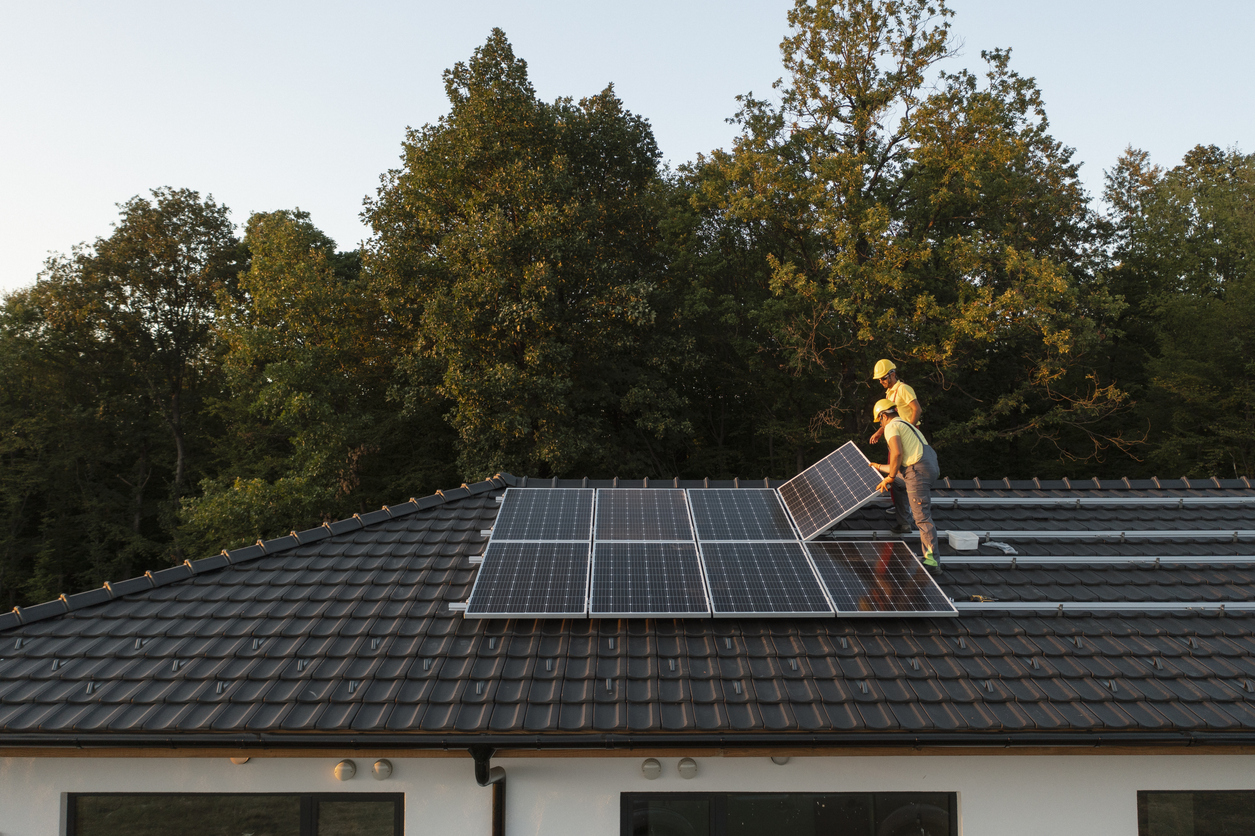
[
  {"x": 541, "y": 295},
  {"x": 518, "y": 244}
]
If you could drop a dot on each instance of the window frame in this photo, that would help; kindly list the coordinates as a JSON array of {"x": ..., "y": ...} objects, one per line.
[
  {"x": 308, "y": 804},
  {"x": 1143, "y": 802},
  {"x": 719, "y": 805}
]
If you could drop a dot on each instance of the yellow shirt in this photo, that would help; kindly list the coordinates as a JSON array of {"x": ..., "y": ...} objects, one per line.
[
  {"x": 901, "y": 395},
  {"x": 911, "y": 439}
]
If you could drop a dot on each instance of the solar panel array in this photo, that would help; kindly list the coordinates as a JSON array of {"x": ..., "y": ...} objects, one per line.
[
  {"x": 830, "y": 490},
  {"x": 672, "y": 553}
]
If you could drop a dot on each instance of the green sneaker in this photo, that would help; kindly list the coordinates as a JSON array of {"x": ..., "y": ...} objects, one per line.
[{"x": 930, "y": 562}]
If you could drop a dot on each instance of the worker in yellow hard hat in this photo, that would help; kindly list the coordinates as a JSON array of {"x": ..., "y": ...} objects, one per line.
[
  {"x": 911, "y": 471},
  {"x": 903, "y": 396}
]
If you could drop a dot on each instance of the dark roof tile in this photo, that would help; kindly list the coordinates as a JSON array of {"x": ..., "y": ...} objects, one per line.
[{"x": 320, "y": 601}]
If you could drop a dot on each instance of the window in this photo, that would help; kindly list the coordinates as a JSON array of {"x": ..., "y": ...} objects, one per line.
[
  {"x": 789, "y": 814},
  {"x": 233, "y": 814},
  {"x": 1213, "y": 813}
]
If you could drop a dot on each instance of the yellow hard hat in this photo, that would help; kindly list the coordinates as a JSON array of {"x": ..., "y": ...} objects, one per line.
[
  {"x": 883, "y": 367},
  {"x": 881, "y": 406}
]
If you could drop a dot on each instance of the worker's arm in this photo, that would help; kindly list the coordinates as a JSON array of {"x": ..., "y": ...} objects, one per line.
[
  {"x": 911, "y": 412},
  {"x": 895, "y": 462}
]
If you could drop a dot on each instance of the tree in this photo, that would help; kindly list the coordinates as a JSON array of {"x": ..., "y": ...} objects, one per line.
[
  {"x": 104, "y": 366},
  {"x": 917, "y": 214},
  {"x": 1183, "y": 252},
  {"x": 156, "y": 280},
  {"x": 518, "y": 248},
  {"x": 310, "y": 433}
]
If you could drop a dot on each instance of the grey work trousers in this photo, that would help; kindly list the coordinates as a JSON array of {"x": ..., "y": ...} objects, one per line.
[{"x": 914, "y": 485}]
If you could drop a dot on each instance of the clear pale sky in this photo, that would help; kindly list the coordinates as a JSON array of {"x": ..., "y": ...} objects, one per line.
[{"x": 271, "y": 105}]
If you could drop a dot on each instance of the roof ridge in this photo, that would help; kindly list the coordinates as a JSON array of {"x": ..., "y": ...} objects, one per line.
[
  {"x": 110, "y": 591},
  {"x": 1183, "y": 483}
]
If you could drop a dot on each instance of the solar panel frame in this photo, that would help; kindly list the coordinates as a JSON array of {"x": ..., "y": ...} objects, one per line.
[
  {"x": 522, "y": 501},
  {"x": 612, "y": 557},
  {"x": 607, "y": 515},
  {"x": 848, "y": 570},
  {"x": 710, "y": 508},
  {"x": 495, "y": 590},
  {"x": 720, "y": 561},
  {"x": 829, "y": 490}
]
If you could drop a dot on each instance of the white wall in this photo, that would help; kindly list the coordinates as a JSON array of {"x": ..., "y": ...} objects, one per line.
[{"x": 1024, "y": 795}]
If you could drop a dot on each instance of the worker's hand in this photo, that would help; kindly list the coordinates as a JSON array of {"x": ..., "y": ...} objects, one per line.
[
  {"x": 876, "y": 436},
  {"x": 885, "y": 484}
]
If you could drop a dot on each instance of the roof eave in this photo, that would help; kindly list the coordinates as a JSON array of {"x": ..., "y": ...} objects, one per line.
[{"x": 633, "y": 741}]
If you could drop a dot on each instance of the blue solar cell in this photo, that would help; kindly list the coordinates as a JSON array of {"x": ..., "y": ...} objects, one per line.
[
  {"x": 545, "y": 514},
  {"x": 531, "y": 580},
  {"x": 762, "y": 578},
  {"x": 642, "y": 514},
  {"x": 662, "y": 580},
  {"x": 739, "y": 514}
]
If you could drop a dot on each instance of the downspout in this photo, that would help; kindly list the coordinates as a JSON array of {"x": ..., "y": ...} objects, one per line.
[{"x": 486, "y": 775}]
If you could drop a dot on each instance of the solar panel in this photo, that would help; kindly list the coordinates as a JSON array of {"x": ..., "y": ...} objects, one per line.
[
  {"x": 739, "y": 514},
  {"x": 642, "y": 514},
  {"x": 829, "y": 490},
  {"x": 545, "y": 514},
  {"x": 661, "y": 580},
  {"x": 762, "y": 578},
  {"x": 877, "y": 578},
  {"x": 531, "y": 580}
]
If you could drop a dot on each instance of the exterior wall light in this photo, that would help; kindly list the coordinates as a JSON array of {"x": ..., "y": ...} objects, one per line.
[
  {"x": 382, "y": 770},
  {"x": 650, "y": 768},
  {"x": 345, "y": 770},
  {"x": 688, "y": 768}
]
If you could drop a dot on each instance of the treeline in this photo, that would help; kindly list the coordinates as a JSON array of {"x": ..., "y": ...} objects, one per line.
[{"x": 540, "y": 296}]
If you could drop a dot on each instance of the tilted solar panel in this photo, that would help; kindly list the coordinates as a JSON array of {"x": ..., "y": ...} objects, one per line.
[
  {"x": 642, "y": 514},
  {"x": 830, "y": 490},
  {"x": 739, "y": 514},
  {"x": 636, "y": 580},
  {"x": 877, "y": 578},
  {"x": 531, "y": 580},
  {"x": 545, "y": 514},
  {"x": 762, "y": 578}
]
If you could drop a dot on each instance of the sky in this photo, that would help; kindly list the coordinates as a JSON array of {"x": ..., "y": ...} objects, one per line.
[{"x": 269, "y": 104}]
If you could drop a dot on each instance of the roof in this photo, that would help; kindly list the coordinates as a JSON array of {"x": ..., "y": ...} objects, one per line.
[{"x": 346, "y": 631}]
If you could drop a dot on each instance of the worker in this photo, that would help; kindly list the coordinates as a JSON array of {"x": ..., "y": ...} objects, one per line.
[
  {"x": 903, "y": 396},
  {"x": 912, "y": 469}
]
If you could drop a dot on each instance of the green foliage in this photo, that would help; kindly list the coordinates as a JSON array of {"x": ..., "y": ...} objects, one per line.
[
  {"x": 518, "y": 246},
  {"x": 105, "y": 364},
  {"x": 1184, "y": 245},
  {"x": 310, "y": 432},
  {"x": 924, "y": 216}
]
